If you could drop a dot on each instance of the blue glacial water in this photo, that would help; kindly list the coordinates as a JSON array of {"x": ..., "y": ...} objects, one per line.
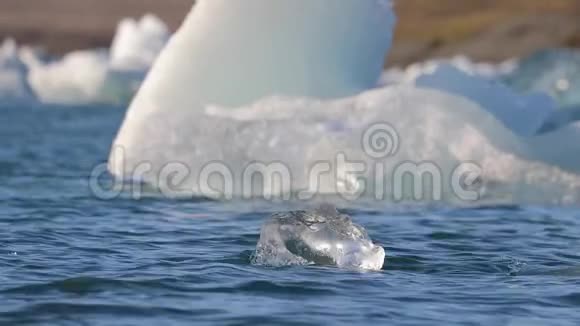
[{"x": 67, "y": 258}]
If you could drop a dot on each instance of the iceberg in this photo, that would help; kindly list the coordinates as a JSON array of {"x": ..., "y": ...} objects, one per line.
[
  {"x": 100, "y": 76},
  {"x": 77, "y": 78},
  {"x": 490, "y": 71},
  {"x": 83, "y": 77},
  {"x": 235, "y": 52},
  {"x": 431, "y": 126},
  {"x": 137, "y": 44},
  {"x": 13, "y": 84},
  {"x": 554, "y": 72},
  {"x": 278, "y": 88},
  {"x": 561, "y": 118},
  {"x": 525, "y": 114}
]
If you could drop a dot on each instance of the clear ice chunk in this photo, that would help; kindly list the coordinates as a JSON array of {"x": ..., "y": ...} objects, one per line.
[{"x": 321, "y": 237}]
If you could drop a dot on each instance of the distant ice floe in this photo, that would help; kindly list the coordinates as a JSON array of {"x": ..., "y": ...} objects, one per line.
[
  {"x": 555, "y": 72},
  {"x": 543, "y": 88},
  {"x": 490, "y": 71},
  {"x": 300, "y": 91},
  {"x": 13, "y": 71},
  {"x": 138, "y": 43},
  {"x": 76, "y": 78},
  {"x": 98, "y": 76},
  {"x": 525, "y": 114}
]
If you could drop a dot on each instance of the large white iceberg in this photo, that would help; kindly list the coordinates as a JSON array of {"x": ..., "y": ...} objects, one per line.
[
  {"x": 276, "y": 86},
  {"x": 235, "y": 52},
  {"x": 430, "y": 126}
]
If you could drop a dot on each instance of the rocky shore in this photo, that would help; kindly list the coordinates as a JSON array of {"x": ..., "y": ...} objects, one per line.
[{"x": 489, "y": 30}]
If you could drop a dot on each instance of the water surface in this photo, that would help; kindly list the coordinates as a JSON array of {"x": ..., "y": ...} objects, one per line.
[{"x": 68, "y": 258}]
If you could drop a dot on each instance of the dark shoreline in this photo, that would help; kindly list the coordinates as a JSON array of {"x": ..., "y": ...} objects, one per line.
[{"x": 491, "y": 30}]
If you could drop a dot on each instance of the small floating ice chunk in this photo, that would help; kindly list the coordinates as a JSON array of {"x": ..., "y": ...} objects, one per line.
[{"x": 323, "y": 236}]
